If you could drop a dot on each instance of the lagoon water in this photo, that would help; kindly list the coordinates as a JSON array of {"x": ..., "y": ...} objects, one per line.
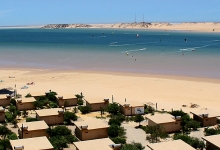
[{"x": 113, "y": 50}]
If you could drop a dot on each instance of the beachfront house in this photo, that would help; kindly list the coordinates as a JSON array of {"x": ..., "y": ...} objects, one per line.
[
  {"x": 37, "y": 143},
  {"x": 131, "y": 108},
  {"x": 91, "y": 129},
  {"x": 66, "y": 100},
  {"x": 98, "y": 144},
  {"x": 206, "y": 117},
  {"x": 167, "y": 122},
  {"x": 51, "y": 116},
  {"x": 170, "y": 145},
  {"x": 2, "y": 114},
  {"x": 97, "y": 104},
  {"x": 212, "y": 142},
  {"x": 25, "y": 103},
  {"x": 5, "y": 99},
  {"x": 36, "y": 95},
  {"x": 32, "y": 129}
]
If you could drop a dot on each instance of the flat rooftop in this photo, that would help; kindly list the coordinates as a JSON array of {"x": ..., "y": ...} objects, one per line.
[
  {"x": 96, "y": 99},
  {"x": 170, "y": 145},
  {"x": 26, "y": 99},
  {"x": 35, "y": 125},
  {"x": 38, "y": 143},
  {"x": 98, "y": 144},
  {"x": 34, "y": 93},
  {"x": 3, "y": 96},
  {"x": 214, "y": 139},
  {"x": 132, "y": 103},
  {"x": 161, "y": 118},
  {"x": 48, "y": 112},
  {"x": 66, "y": 96},
  {"x": 211, "y": 113},
  {"x": 92, "y": 123}
]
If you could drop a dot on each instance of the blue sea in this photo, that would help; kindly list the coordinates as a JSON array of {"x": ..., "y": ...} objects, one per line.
[{"x": 172, "y": 53}]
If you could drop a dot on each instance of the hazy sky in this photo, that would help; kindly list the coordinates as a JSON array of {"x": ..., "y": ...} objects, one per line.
[{"x": 40, "y": 12}]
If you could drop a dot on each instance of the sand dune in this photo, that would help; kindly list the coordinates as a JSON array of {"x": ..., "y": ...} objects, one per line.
[
  {"x": 187, "y": 26},
  {"x": 167, "y": 92}
]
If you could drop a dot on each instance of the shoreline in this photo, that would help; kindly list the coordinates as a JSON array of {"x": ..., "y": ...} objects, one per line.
[
  {"x": 128, "y": 74},
  {"x": 206, "y": 27}
]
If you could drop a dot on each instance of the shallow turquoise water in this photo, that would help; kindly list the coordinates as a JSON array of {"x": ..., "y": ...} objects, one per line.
[{"x": 156, "y": 52}]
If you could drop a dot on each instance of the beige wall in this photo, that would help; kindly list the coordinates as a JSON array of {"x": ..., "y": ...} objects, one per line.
[
  {"x": 52, "y": 120},
  {"x": 96, "y": 106},
  {"x": 91, "y": 134},
  {"x": 25, "y": 106},
  {"x": 2, "y": 116},
  {"x": 31, "y": 134},
  {"x": 5, "y": 101},
  {"x": 72, "y": 102},
  {"x": 205, "y": 121},
  {"x": 128, "y": 111},
  {"x": 167, "y": 127}
]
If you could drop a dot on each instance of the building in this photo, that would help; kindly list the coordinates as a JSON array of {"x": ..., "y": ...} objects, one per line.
[
  {"x": 168, "y": 122},
  {"x": 36, "y": 95},
  {"x": 96, "y": 104},
  {"x": 51, "y": 116},
  {"x": 25, "y": 103},
  {"x": 170, "y": 145},
  {"x": 66, "y": 100},
  {"x": 98, "y": 144},
  {"x": 212, "y": 142},
  {"x": 131, "y": 108},
  {"x": 90, "y": 129},
  {"x": 2, "y": 114},
  {"x": 37, "y": 143},
  {"x": 5, "y": 99},
  {"x": 206, "y": 117},
  {"x": 32, "y": 129}
]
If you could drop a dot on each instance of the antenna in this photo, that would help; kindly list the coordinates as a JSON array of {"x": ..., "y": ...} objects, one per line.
[
  {"x": 143, "y": 18},
  {"x": 135, "y": 17}
]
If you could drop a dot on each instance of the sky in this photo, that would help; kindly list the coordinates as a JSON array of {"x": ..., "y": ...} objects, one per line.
[{"x": 42, "y": 12}]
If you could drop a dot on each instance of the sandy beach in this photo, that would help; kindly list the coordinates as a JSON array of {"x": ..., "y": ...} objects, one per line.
[
  {"x": 167, "y": 92},
  {"x": 184, "y": 26}
]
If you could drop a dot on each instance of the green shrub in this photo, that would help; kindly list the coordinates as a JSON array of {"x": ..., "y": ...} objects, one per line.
[
  {"x": 9, "y": 117},
  {"x": 68, "y": 116},
  {"x": 129, "y": 147},
  {"x": 139, "y": 146},
  {"x": 113, "y": 109},
  {"x": 71, "y": 138},
  {"x": 80, "y": 102},
  {"x": 113, "y": 130},
  {"x": 31, "y": 119},
  {"x": 148, "y": 109},
  {"x": 12, "y": 136},
  {"x": 192, "y": 124},
  {"x": 53, "y": 105},
  {"x": 59, "y": 131},
  {"x": 138, "y": 118},
  {"x": 84, "y": 109},
  {"x": 212, "y": 131},
  {"x": 194, "y": 142},
  {"x": 5, "y": 144},
  {"x": 51, "y": 96},
  {"x": 114, "y": 121},
  {"x": 58, "y": 142},
  {"x": 13, "y": 102},
  {"x": 28, "y": 95},
  {"x": 119, "y": 140}
]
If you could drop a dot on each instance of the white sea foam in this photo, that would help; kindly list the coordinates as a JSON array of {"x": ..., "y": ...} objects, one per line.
[{"x": 135, "y": 50}]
